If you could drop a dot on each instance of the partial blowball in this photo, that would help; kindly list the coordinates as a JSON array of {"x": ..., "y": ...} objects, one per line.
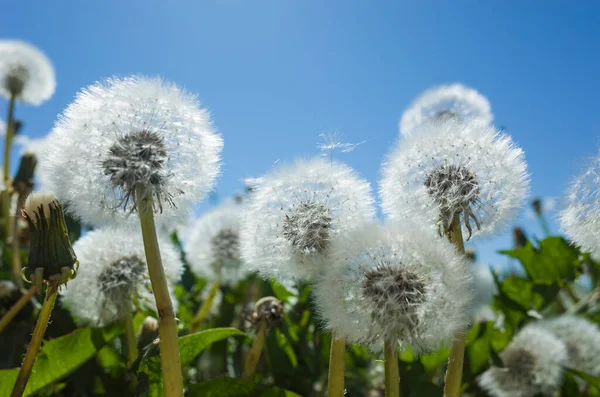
[
  {"x": 395, "y": 283},
  {"x": 125, "y": 140},
  {"x": 452, "y": 169},
  {"x": 295, "y": 212},
  {"x": 453, "y": 101},
  {"x": 51, "y": 256},
  {"x": 114, "y": 275},
  {"x": 582, "y": 340},
  {"x": 580, "y": 218},
  {"x": 213, "y": 245},
  {"x": 533, "y": 363},
  {"x": 25, "y": 72}
]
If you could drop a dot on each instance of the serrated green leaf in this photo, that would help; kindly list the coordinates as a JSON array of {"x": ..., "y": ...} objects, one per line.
[{"x": 60, "y": 357}]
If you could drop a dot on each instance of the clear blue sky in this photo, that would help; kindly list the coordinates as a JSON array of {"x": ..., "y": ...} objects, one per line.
[{"x": 276, "y": 74}]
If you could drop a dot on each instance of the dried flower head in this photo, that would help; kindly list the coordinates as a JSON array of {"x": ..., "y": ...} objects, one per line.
[
  {"x": 582, "y": 340},
  {"x": 294, "y": 213},
  {"x": 51, "y": 256},
  {"x": 25, "y": 72},
  {"x": 580, "y": 217},
  {"x": 452, "y": 169},
  {"x": 268, "y": 310},
  {"x": 533, "y": 363},
  {"x": 127, "y": 140},
  {"x": 444, "y": 102},
  {"x": 114, "y": 275},
  {"x": 213, "y": 245},
  {"x": 394, "y": 283}
]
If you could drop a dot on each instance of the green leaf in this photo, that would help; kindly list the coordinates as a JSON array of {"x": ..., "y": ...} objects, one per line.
[
  {"x": 590, "y": 379},
  {"x": 281, "y": 293},
  {"x": 554, "y": 261},
  {"x": 277, "y": 392},
  {"x": 286, "y": 346},
  {"x": 223, "y": 387},
  {"x": 60, "y": 357},
  {"x": 192, "y": 345}
]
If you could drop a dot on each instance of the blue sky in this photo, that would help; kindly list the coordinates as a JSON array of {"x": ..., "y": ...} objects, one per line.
[{"x": 276, "y": 74}]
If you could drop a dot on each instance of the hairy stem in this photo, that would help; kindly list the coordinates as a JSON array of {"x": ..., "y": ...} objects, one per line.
[
  {"x": 205, "y": 308},
  {"x": 132, "y": 351},
  {"x": 392, "y": 373},
  {"x": 337, "y": 361},
  {"x": 36, "y": 341},
  {"x": 16, "y": 308},
  {"x": 167, "y": 325},
  {"x": 16, "y": 249},
  {"x": 453, "y": 378},
  {"x": 255, "y": 351}
]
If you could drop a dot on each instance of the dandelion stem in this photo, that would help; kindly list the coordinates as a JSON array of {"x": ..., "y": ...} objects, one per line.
[
  {"x": 36, "y": 340},
  {"x": 205, "y": 308},
  {"x": 167, "y": 325},
  {"x": 16, "y": 250},
  {"x": 6, "y": 178},
  {"x": 132, "y": 352},
  {"x": 16, "y": 308},
  {"x": 453, "y": 377},
  {"x": 392, "y": 373},
  {"x": 337, "y": 360},
  {"x": 255, "y": 351}
]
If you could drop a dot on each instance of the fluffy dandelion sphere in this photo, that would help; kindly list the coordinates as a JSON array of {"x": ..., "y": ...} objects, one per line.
[
  {"x": 580, "y": 217},
  {"x": 395, "y": 283},
  {"x": 124, "y": 140},
  {"x": 582, "y": 340},
  {"x": 533, "y": 363},
  {"x": 213, "y": 245},
  {"x": 25, "y": 72},
  {"x": 454, "y": 169},
  {"x": 295, "y": 212},
  {"x": 452, "y": 101},
  {"x": 114, "y": 274}
]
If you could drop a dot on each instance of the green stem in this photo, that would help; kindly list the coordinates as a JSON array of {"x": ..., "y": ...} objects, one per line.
[
  {"x": 6, "y": 194},
  {"x": 453, "y": 378},
  {"x": 337, "y": 361},
  {"x": 392, "y": 373},
  {"x": 132, "y": 351},
  {"x": 205, "y": 308},
  {"x": 167, "y": 324},
  {"x": 16, "y": 308},
  {"x": 255, "y": 351},
  {"x": 36, "y": 341},
  {"x": 544, "y": 224},
  {"x": 16, "y": 249}
]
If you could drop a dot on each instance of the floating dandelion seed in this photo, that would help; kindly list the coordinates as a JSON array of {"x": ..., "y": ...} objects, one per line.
[
  {"x": 394, "y": 283},
  {"x": 333, "y": 141},
  {"x": 114, "y": 275},
  {"x": 213, "y": 245},
  {"x": 453, "y": 169},
  {"x": 25, "y": 72},
  {"x": 446, "y": 102},
  {"x": 296, "y": 211},
  {"x": 580, "y": 217},
  {"x": 123, "y": 140},
  {"x": 533, "y": 363},
  {"x": 582, "y": 340}
]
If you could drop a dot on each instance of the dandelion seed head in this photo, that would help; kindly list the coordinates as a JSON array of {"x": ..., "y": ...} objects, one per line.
[
  {"x": 296, "y": 211},
  {"x": 213, "y": 244},
  {"x": 25, "y": 72},
  {"x": 113, "y": 275},
  {"x": 124, "y": 137},
  {"x": 446, "y": 102},
  {"x": 582, "y": 340},
  {"x": 454, "y": 169},
  {"x": 392, "y": 282},
  {"x": 533, "y": 363}
]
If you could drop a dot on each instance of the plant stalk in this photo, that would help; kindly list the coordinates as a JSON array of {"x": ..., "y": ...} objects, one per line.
[
  {"x": 132, "y": 351},
  {"x": 392, "y": 373},
  {"x": 337, "y": 361},
  {"x": 453, "y": 378},
  {"x": 6, "y": 194},
  {"x": 16, "y": 249},
  {"x": 167, "y": 325},
  {"x": 255, "y": 351},
  {"x": 36, "y": 340},
  {"x": 206, "y": 306},
  {"x": 16, "y": 308}
]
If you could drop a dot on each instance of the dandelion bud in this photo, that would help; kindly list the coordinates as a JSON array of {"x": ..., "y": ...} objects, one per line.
[
  {"x": 519, "y": 237},
  {"x": 148, "y": 332},
  {"x": 17, "y": 125},
  {"x": 537, "y": 206},
  {"x": 23, "y": 180},
  {"x": 268, "y": 310},
  {"x": 51, "y": 256}
]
